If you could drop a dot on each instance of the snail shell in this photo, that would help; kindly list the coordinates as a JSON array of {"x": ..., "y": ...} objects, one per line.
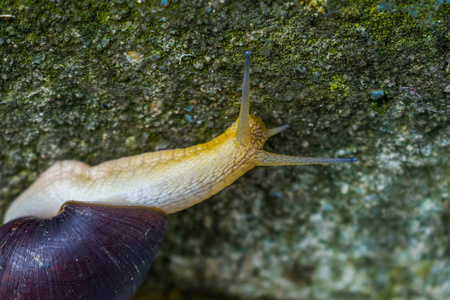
[{"x": 87, "y": 251}]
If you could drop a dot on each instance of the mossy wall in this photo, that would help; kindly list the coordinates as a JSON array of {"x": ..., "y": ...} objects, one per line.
[{"x": 93, "y": 81}]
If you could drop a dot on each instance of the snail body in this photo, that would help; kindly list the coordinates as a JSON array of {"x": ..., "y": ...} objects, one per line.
[{"x": 167, "y": 181}]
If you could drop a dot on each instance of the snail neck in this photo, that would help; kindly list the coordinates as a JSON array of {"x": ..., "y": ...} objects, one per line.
[{"x": 212, "y": 166}]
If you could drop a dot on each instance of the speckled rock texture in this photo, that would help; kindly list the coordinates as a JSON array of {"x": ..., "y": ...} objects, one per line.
[{"x": 94, "y": 81}]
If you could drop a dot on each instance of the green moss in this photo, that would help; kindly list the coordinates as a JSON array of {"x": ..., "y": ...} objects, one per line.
[
  {"x": 338, "y": 83},
  {"x": 380, "y": 107},
  {"x": 103, "y": 16}
]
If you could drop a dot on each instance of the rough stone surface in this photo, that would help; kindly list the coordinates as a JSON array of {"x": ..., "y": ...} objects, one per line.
[{"x": 94, "y": 81}]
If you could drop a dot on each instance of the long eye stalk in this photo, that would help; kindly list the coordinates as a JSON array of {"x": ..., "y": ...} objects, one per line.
[
  {"x": 273, "y": 159},
  {"x": 243, "y": 132}
]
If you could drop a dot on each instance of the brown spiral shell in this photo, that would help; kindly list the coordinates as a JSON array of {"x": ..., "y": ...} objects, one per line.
[{"x": 88, "y": 251}]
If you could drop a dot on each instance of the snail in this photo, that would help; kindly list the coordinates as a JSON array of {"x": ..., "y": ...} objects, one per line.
[{"x": 82, "y": 232}]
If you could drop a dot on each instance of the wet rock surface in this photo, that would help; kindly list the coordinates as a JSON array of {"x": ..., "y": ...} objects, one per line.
[{"x": 94, "y": 81}]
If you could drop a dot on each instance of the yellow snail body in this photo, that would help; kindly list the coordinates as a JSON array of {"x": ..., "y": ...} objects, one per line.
[{"x": 168, "y": 181}]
